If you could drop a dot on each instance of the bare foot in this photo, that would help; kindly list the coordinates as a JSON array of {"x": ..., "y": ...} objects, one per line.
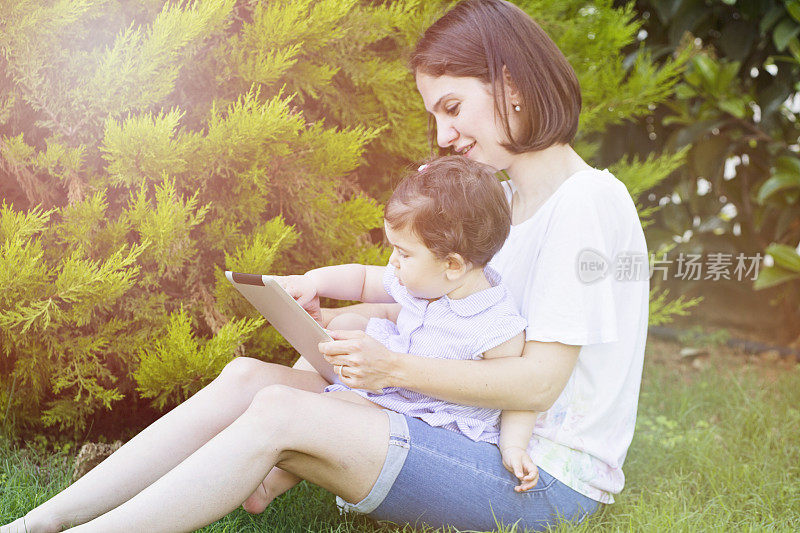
[
  {"x": 276, "y": 483},
  {"x": 17, "y": 526},
  {"x": 256, "y": 503},
  {"x": 27, "y": 524}
]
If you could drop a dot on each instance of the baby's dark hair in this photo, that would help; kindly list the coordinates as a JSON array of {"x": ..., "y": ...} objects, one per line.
[{"x": 454, "y": 205}]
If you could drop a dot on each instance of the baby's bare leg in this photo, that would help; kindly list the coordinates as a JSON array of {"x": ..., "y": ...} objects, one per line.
[{"x": 348, "y": 321}]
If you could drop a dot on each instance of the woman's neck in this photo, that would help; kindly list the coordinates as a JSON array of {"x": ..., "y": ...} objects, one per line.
[{"x": 537, "y": 175}]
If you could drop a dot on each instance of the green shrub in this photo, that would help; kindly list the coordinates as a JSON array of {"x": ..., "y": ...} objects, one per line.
[{"x": 146, "y": 147}]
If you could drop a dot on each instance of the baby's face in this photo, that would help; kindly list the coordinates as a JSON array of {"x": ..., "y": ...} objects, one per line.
[{"x": 421, "y": 272}]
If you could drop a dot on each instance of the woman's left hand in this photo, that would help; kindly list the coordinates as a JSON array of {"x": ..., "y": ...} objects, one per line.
[{"x": 365, "y": 363}]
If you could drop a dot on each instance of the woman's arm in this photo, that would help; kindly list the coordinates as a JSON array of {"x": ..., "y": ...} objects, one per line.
[
  {"x": 528, "y": 383},
  {"x": 532, "y": 382}
]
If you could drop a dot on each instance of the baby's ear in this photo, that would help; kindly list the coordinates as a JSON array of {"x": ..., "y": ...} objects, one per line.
[{"x": 457, "y": 266}]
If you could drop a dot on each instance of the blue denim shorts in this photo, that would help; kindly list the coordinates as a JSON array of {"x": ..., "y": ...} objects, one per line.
[{"x": 438, "y": 477}]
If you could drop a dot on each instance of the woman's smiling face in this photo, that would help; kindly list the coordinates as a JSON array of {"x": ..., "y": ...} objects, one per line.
[{"x": 465, "y": 116}]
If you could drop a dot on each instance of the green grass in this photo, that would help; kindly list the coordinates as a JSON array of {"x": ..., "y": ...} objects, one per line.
[{"x": 715, "y": 449}]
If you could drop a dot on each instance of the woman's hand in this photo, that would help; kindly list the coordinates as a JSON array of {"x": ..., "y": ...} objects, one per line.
[
  {"x": 365, "y": 363},
  {"x": 518, "y": 462},
  {"x": 304, "y": 291}
]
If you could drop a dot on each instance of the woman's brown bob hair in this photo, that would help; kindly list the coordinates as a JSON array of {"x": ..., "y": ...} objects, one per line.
[
  {"x": 476, "y": 39},
  {"x": 453, "y": 205}
]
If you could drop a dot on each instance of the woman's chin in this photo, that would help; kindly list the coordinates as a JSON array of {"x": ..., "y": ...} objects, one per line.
[
  {"x": 492, "y": 164},
  {"x": 478, "y": 158}
]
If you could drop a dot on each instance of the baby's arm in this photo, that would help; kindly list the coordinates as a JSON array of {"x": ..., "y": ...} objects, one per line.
[
  {"x": 346, "y": 282},
  {"x": 516, "y": 427},
  {"x": 363, "y": 283}
]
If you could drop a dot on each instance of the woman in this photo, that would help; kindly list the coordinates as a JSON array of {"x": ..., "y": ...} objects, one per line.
[{"x": 503, "y": 94}]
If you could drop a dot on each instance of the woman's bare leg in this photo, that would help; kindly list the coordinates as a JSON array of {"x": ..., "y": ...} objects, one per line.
[
  {"x": 344, "y": 446},
  {"x": 278, "y": 481},
  {"x": 164, "y": 444}
]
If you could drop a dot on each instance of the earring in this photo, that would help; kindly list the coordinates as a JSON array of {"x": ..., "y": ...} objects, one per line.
[{"x": 517, "y": 108}]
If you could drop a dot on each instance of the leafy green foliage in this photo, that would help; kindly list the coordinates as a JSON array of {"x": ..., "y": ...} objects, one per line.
[
  {"x": 133, "y": 176},
  {"x": 663, "y": 311},
  {"x": 735, "y": 110},
  {"x": 785, "y": 269},
  {"x": 147, "y": 146},
  {"x": 177, "y": 365}
]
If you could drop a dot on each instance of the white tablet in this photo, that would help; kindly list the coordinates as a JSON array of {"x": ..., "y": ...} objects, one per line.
[{"x": 286, "y": 315}]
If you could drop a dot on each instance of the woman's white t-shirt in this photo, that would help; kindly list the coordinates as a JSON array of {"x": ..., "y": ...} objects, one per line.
[{"x": 578, "y": 271}]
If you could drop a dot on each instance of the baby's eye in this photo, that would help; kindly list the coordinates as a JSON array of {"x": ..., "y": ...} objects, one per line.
[{"x": 453, "y": 110}]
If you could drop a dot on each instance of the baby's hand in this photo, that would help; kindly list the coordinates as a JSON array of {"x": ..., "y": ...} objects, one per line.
[
  {"x": 518, "y": 462},
  {"x": 304, "y": 291}
]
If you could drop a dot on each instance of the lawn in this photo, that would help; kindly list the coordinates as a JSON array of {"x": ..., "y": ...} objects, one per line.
[{"x": 717, "y": 447}]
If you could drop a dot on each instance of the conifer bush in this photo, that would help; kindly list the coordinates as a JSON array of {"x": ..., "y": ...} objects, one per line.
[{"x": 146, "y": 147}]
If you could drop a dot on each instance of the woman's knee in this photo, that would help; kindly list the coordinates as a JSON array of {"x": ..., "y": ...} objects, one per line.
[
  {"x": 247, "y": 370},
  {"x": 277, "y": 401}
]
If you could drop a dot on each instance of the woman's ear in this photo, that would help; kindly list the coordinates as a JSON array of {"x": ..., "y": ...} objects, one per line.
[
  {"x": 457, "y": 266},
  {"x": 512, "y": 93}
]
